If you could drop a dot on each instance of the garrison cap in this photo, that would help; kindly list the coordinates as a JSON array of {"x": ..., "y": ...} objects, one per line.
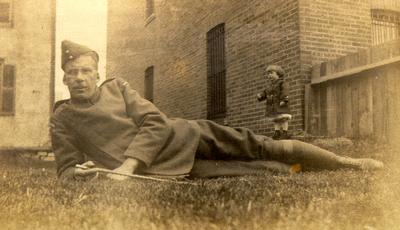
[
  {"x": 277, "y": 69},
  {"x": 71, "y": 51}
]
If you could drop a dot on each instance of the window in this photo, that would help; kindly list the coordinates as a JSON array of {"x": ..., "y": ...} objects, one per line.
[
  {"x": 385, "y": 25},
  {"x": 5, "y": 13},
  {"x": 149, "y": 11},
  {"x": 216, "y": 95},
  {"x": 149, "y": 8},
  {"x": 148, "y": 83},
  {"x": 7, "y": 89}
]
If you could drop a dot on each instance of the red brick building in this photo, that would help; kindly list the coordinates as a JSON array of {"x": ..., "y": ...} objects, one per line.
[{"x": 206, "y": 59}]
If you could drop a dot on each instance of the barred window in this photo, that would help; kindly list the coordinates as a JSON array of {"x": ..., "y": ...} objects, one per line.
[
  {"x": 149, "y": 8},
  {"x": 216, "y": 95},
  {"x": 5, "y": 13},
  {"x": 385, "y": 25},
  {"x": 7, "y": 89},
  {"x": 148, "y": 83}
]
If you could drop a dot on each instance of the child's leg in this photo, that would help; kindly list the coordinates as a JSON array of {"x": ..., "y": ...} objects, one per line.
[
  {"x": 285, "y": 125},
  {"x": 311, "y": 156},
  {"x": 277, "y": 132}
]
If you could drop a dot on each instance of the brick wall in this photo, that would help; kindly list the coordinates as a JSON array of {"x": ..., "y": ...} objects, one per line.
[
  {"x": 129, "y": 45},
  {"x": 272, "y": 38},
  {"x": 295, "y": 34},
  {"x": 29, "y": 46},
  {"x": 257, "y": 33},
  {"x": 328, "y": 30}
]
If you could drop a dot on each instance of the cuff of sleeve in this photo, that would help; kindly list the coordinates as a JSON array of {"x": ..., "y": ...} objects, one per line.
[
  {"x": 67, "y": 174},
  {"x": 141, "y": 157}
]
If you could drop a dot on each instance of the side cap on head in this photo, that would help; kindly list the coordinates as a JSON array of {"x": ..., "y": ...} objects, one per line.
[{"x": 71, "y": 51}]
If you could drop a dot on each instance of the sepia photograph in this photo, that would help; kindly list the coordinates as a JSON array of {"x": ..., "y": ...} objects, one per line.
[{"x": 200, "y": 114}]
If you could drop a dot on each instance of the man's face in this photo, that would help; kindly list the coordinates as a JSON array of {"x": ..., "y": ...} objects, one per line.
[{"x": 81, "y": 77}]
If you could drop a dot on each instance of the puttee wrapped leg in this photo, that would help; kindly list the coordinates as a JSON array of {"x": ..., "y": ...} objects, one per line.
[{"x": 313, "y": 157}]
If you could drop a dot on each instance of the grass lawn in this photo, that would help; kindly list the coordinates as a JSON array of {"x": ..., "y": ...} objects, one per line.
[{"x": 31, "y": 198}]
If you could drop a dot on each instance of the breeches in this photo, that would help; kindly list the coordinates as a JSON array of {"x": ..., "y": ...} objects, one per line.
[{"x": 219, "y": 142}]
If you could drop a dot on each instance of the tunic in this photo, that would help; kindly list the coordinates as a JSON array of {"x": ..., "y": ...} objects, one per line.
[{"x": 117, "y": 123}]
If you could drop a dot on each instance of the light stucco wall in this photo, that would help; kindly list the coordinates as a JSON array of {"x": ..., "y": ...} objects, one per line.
[{"x": 28, "y": 45}]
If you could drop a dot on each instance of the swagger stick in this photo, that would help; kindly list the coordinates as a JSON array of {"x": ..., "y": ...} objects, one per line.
[{"x": 136, "y": 176}]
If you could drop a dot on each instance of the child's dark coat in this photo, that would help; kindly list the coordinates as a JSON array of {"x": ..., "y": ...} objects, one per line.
[{"x": 277, "y": 91}]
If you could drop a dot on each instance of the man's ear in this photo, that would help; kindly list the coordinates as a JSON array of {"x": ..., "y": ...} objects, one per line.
[{"x": 98, "y": 77}]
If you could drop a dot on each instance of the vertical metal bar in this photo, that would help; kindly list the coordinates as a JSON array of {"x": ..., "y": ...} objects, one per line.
[
  {"x": 386, "y": 31},
  {"x": 217, "y": 101},
  {"x": 219, "y": 70},
  {"x": 216, "y": 74},
  {"x": 223, "y": 70},
  {"x": 381, "y": 33},
  {"x": 373, "y": 32},
  {"x": 214, "y": 55},
  {"x": 1, "y": 83},
  {"x": 221, "y": 62}
]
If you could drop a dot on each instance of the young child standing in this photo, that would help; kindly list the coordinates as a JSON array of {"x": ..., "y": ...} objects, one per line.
[{"x": 277, "y": 101}]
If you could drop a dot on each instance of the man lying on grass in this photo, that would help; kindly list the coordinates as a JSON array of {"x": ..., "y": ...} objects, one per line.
[{"x": 118, "y": 129}]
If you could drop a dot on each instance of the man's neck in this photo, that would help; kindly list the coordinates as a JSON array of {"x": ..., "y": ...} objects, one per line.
[{"x": 87, "y": 101}]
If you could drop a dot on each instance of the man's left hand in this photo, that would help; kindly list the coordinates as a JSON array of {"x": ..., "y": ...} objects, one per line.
[{"x": 128, "y": 167}]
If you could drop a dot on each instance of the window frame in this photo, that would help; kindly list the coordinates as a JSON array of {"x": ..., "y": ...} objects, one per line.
[
  {"x": 8, "y": 24},
  {"x": 216, "y": 72},
  {"x": 3, "y": 88},
  {"x": 385, "y": 25},
  {"x": 150, "y": 11},
  {"x": 149, "y": 84}
]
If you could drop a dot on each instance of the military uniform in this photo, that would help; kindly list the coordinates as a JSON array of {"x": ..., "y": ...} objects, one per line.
[{"x": 115, "y": 123}]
